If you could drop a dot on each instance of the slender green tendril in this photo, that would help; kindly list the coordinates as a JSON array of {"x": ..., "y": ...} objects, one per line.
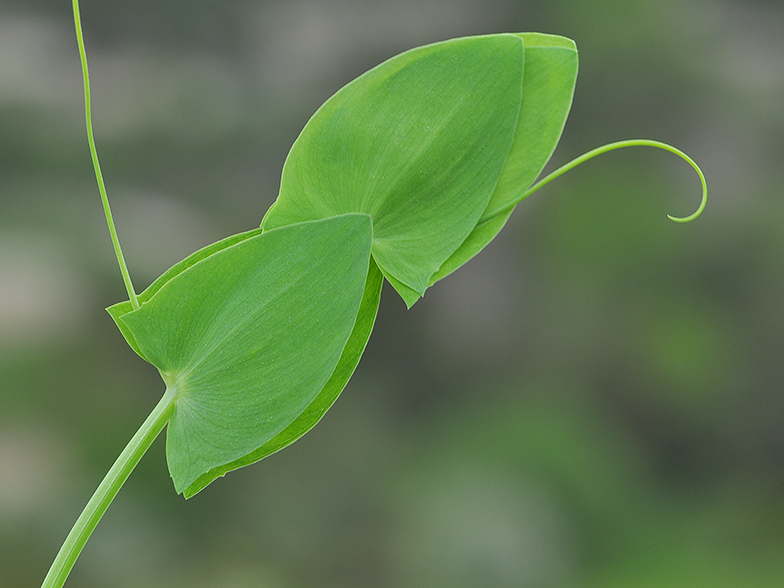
[
  {"x": 620, "y": 145},
  {"x": 150, "y": 429},
  {"x": 96, "y": 165}
]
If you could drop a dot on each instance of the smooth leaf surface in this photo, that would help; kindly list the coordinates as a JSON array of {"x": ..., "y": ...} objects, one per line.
[
  {"x": 548, "y": 87},
  {"x": 329, "y": 394},
  {"x": 419, "y": 144},
  {"x": 551, "y": 64},
  {"x": 249, "y": 336}
]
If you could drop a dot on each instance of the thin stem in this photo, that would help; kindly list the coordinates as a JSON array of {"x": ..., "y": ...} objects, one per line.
[
  {"x": 96, "y": 165},
  {"x": 610, "y": 147},
  {"x": 107, "y": 490}
]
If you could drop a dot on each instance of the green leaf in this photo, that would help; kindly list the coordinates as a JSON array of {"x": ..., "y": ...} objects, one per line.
[
  {"x": 249, "y": 336},
  {"x": 328, "y": 395},
  {"x": 419, "y": 144},
  {"x": 548, "y": 87}
]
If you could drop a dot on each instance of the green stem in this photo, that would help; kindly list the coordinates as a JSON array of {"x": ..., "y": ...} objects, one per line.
[
  {"x": 610, "y": 147},
  {"x": 107, "y": 490},
  {"x": 96, "y": 165}
]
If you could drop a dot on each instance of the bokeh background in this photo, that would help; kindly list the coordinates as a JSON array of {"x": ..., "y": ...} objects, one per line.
[{"x": 597, "y": 400}]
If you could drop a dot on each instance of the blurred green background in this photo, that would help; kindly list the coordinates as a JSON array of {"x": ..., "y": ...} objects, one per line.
[{"x": 594, "y": 401}]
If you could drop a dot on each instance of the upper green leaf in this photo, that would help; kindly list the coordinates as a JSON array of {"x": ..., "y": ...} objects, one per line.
[
  {"x": 548, "y": 87},
  {"x": 249, "y": 336},
  {"x": 419, "y": 144},
  {"x": 437, "y": 145}
]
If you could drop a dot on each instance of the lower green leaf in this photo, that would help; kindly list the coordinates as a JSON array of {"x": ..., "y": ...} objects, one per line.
[
  {"x": 328, "y": 395},
  {"x": 249, "y": 336}
]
